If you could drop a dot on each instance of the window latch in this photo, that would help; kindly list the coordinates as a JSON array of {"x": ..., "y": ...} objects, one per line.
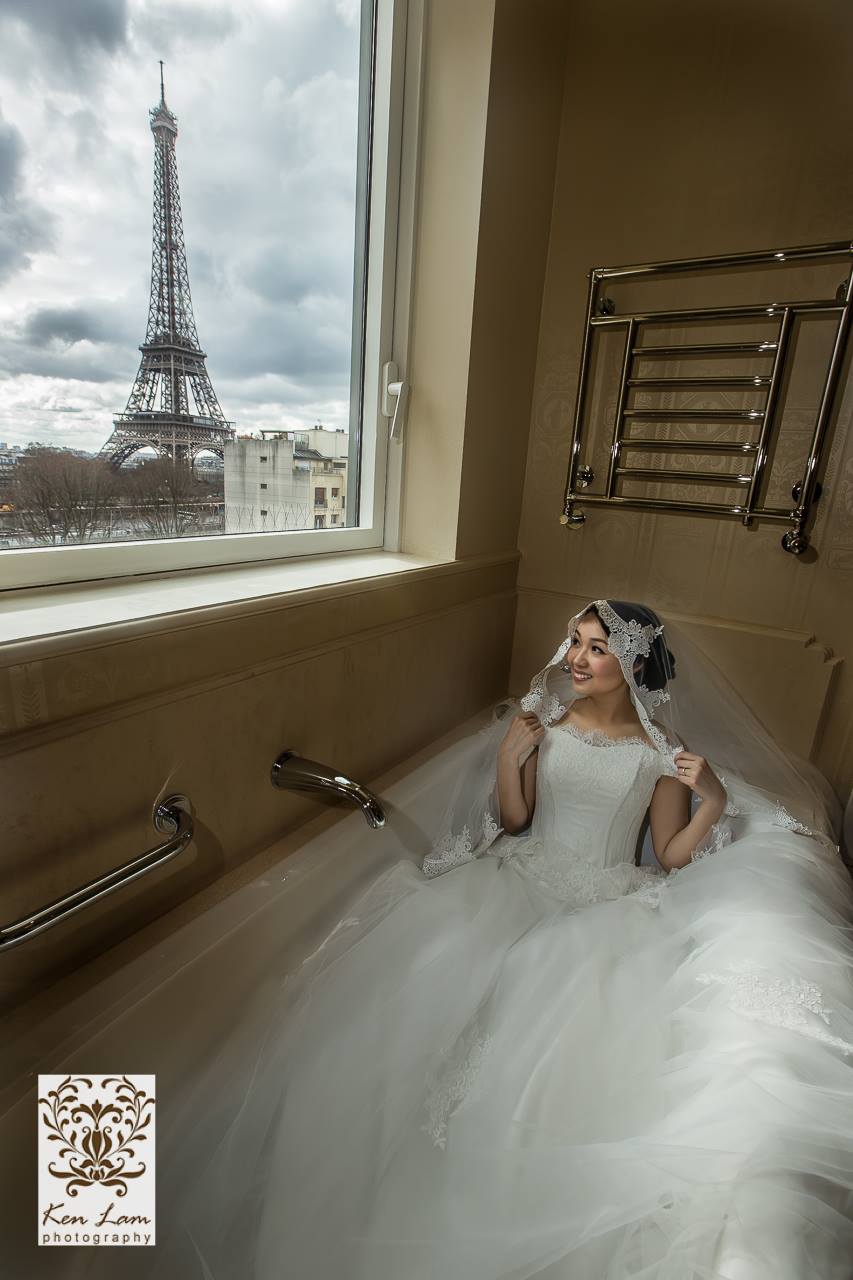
[{"x": 395, "y": 399}]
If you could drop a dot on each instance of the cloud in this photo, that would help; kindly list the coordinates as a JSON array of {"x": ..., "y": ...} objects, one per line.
[
  {"x": 64, "y": 35},
  {"x": 277, "y": 270},
  {"x": 167, "y": 25},
  {"x": 11, "y": 152},
  {"x": 71, "y": 344},
  {"x": 24, "y": 227},
  {"x": 68, "y": 325},
  {"x": 348, "y": 11},
  {"x": 266, "y": 98}
]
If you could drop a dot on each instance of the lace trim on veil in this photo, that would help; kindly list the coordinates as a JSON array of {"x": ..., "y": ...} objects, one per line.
[{"x": 451, "y": 850}]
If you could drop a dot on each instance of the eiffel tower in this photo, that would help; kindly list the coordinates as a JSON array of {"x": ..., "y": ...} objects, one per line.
[{"x": 158, "y": 413}]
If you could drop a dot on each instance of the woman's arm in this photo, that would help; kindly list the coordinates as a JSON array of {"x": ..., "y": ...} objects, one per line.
[
  {"x": 512, "y": 794},
  {"x": 517, "y": 783},
  {"x": 674, "y": 833},
  {"x": 528, "y": 783}
]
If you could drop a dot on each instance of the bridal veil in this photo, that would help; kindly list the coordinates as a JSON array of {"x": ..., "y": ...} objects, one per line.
[{"x": 684, "y": 702}]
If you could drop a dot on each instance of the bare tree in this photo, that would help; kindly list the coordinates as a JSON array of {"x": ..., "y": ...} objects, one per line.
[
  {"x": 61, "y": 497},
  {"x": 166, "y": 499}
]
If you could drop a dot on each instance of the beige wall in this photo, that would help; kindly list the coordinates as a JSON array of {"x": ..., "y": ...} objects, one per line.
[
  {"x": 491, "y": 119},
  {"x": 92, "y": 733},
  {"x": 690, "y": 130},
  {"x": 358, "y": 676},
  {"x": 528, "y": 59}
]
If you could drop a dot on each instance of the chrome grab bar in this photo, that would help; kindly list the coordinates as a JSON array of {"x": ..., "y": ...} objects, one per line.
[
  {"x": 172, "y": 816},
  {"x": 292, "y": 772}
]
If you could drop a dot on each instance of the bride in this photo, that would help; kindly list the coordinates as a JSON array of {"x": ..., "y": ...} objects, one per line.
[{"x": 540, "y": 1055}]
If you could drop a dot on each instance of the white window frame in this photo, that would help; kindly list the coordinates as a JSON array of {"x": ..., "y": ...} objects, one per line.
[{"x": 374, "y": 470}]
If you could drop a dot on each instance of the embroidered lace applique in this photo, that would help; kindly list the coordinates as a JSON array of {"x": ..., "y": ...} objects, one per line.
[
  {"x": 452, "y": 850},
  {"x": 453, "y": 1080},
  {"x": 778, "y": 1002},
  {"x": 448, "y": 852},
  {"x": 552, "y": 710},
  {"x": 715, "y": 840},
  {"x": 731, "y": 810},
  {"x": 626, "y": 639},
  {"x": 650, "y": 892},
  {"x": 653, "y": 697},
  {"x": 783, "y": 818},
  {"x": 600, "y": 739},
  {"x": 532, "y": 700},
  {"x": 573, "y": 878},
  {"x": 490, "y": 827},
  {"x": 629, "y": 640}
]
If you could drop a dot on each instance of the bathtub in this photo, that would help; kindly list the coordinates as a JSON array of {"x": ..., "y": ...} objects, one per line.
[
  {"x": 163, "y": 1001},
  {"x": 127, "y": 1011}
]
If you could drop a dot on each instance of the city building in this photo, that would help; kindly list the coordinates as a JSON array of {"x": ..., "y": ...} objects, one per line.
[{"x": 286, "y": 479}]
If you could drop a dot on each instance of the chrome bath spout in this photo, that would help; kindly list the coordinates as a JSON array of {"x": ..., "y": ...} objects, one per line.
[{"x": 292, "y": 772}]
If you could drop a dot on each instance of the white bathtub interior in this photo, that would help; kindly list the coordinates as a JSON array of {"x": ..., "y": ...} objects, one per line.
[
  {"x": 163, "y": 1001},
  {"x": 305, "y": 879}
]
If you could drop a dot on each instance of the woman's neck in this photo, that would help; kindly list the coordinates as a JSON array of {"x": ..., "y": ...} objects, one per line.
[{"x": 608, "y": 710}]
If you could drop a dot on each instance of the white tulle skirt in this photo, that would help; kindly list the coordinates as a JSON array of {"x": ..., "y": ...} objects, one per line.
[{"x": 470, "y": 1080}]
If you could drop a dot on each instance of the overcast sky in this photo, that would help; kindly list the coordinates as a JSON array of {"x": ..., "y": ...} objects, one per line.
[{"x": 266, "y": 96}]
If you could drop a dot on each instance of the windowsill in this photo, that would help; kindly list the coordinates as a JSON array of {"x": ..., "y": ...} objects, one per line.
[{"x": 54, "y": 618}]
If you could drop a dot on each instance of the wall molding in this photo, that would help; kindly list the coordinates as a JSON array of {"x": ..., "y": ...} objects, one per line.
[{"x": 103, "y": 678}]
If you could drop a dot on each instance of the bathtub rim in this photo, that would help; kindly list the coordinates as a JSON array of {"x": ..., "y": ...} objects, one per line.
[{"x": 75, "y": 1005}]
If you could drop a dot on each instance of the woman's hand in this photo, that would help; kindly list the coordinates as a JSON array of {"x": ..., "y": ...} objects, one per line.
[
  {"x": 695, "y": 772},
  {"x": 523, "y": 736}
]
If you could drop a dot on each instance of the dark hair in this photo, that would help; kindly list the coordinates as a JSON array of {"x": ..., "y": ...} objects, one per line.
[{"x": 659, "y": 662}]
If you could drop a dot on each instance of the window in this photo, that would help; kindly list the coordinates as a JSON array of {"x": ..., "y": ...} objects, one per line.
[{"x": 107, "y": 465}]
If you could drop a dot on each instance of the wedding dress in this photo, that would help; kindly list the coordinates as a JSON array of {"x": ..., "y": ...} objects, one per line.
[{"x": 536, "y": 1058}]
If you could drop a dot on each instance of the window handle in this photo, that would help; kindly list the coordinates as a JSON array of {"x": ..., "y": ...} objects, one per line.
[{"x": 395, "y": 399}]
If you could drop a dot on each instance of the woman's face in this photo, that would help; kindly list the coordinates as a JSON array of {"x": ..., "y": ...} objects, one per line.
[{"x": 595, "y": 670}]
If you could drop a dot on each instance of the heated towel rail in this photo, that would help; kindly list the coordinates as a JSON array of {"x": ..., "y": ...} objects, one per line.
[{"x": 752, "y": 453}]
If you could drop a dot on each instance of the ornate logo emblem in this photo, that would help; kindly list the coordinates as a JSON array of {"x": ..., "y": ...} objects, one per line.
[{"x": 96, "y": 1147}]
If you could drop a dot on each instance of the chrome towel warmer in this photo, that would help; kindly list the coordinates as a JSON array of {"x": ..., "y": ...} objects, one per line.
[{"x": 600, "y": 313}]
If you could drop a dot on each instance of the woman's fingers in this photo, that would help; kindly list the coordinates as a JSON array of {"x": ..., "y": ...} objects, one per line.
[{"x": 687, "y": 764}]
